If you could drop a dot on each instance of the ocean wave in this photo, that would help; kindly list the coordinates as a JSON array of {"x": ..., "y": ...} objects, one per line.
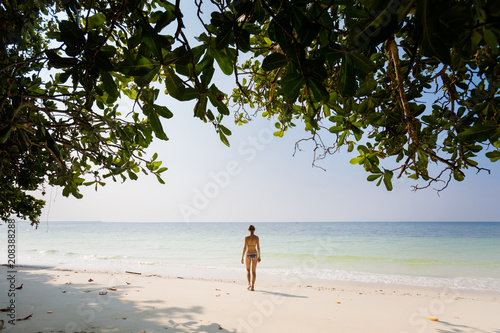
[
  {"x": 370, "y": 259},
  {"x": 44, "y": 251},
  {"x": 482, "y": 284},
  {"x": 299, "y": 274},
  {"x": 151, "y": 263},
  {"x": 103, "y": 257},
  {"x": 327, "y": 275}
]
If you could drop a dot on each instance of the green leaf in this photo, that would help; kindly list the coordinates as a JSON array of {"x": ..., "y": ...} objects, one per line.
[
  {"x": 103, "y": 62},
  {"x": 5, "y": 133},
  {"x": 333, "y": 53},
  {"x": 224, "y": 37},
  {"x": 225, "y": 63},
  {"x": 347, "y": 80},
  {"x": 132, "y": 175},
  {"x": 109, "y": 84},
  {"x": 388, "y": 180},
  {"x": 342, "y": 138},
  {"x": 207, "y": 75},
  {"x": 357, "y": 160},
  {"x": 174, "y": 84},
  {"x": 376, "y": 29},
  {"x": 59, "y": 62},
  {"x": 374, "y": 5},
  {"x": 54, "y": 35},
  {"x": 452, "y": 22},
  {"x": 161, "y": 181},
  {"x": 165, "y": 19},
  {"x": 217, "y": 99},
  {"x": 362, "y": 63},
  {"x": 279, "y": 134},
  {"x": 218, "y": 19},
  {"x": 134, "y": 40},
  {"x": 319, "y": 91},
  {"x": 336, "y": 129},
  {"x": 155, "y": 121},
  {"x": 273, "y": 61},
  {"x": 148, "y": 77},
  {"x": 277, "y": 33},
  {"x": 326, "y": 111},
  {"x": 95, "y": 21},
  {"x": 205, "y": 64},
  {"x": 224, "y": 129},
  {"x": 162, "y": 170},
  {"x": 305, "y": 29},
  {"x": 200, "y": 108},
  {"x": 471, "y": 162},
  {"x": 66, "y": 191},
  {"x": 52, "y": 145},
  {"x": 152, "y": 40},
  {"x": 137, "y": 66},
  {"x": 491, "y": 39},
  {"x": 405, "y": 8},
  {"x": 493, "y": 155},
  {"x": 190, "y": 94},
  {"x": 162, "y": 111},
  {"x": 244, "y": 41},
  {"x": 478, "y": 133},
  {"x": 363, "y": 149},
  {"x": 224, "y": 139},
  {"x": 222, "y": 108},
  {"x": 72, "y": 36},
  {"x": 458, "y": 175},
  {"x": 433, "y": 43},
  {"x": 493, "y": 8},
  {"x": 367, "y": 106},
  {"x": 374, "y": 177},
  {"x": 224, "y": 60},
  {"x": 292, "y": 84}
]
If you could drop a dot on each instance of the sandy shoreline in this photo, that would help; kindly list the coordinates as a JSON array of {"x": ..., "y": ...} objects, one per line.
[{"x": 88, "y": 301}]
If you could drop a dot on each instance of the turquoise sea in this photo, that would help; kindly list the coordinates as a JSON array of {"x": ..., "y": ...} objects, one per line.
[{"x": 462, "y": 255}]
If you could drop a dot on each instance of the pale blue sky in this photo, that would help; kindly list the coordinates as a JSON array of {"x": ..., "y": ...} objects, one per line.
[{"x": 258, "y": 179}]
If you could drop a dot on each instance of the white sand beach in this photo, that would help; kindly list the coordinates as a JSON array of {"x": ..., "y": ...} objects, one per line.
[{"x": 56, "y": 300}]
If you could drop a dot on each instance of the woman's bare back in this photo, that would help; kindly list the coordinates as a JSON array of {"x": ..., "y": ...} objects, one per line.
[{"x": 251, "y": 241}]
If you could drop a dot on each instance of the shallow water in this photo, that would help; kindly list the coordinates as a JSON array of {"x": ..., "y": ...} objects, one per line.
[{"x": 442, "y": 254}]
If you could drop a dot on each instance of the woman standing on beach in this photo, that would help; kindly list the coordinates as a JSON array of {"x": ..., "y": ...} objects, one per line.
[{"x": 252, "y": 250}]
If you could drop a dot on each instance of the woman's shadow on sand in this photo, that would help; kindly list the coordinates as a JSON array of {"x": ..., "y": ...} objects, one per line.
[
  {"x": 454, "y": 328},
  {"x": 280, "y": 294}
]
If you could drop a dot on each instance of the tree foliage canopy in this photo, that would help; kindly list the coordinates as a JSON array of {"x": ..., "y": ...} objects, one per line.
[{"x": 400, "y": 83}]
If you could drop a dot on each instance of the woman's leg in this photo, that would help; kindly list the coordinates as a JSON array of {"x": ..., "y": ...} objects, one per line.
[
  {"x": 247, "y": 262},
  {"x": 254, "y": 269}
]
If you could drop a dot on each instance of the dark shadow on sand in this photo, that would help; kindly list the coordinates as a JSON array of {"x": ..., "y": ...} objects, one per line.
[
  {"x": 457, "y": 328},
  {"x": 280, "y": 294},
  {"x": 87, "y": 311}
]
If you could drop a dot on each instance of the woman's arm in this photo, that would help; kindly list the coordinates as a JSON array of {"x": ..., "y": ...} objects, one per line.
[
  {"x": 244, "y": 250},
  {"x": 258, "y": 248}
]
